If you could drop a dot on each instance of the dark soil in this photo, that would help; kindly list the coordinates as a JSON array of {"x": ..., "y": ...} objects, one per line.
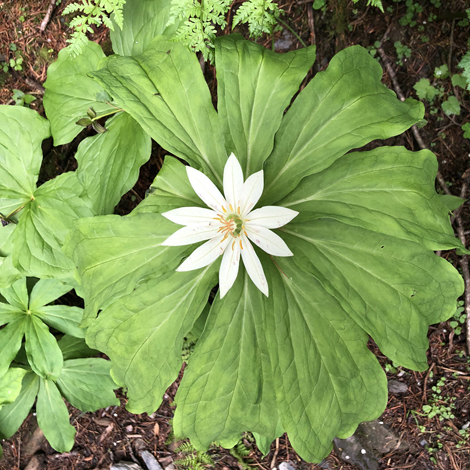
[{"x": 109, "y": 436}]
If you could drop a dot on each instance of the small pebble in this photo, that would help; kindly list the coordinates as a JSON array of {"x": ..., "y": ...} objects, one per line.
[
  {"x": 363, "y": 451},
  {"x": 347, "y": 457},
  {"x": 423, "y": 443}
]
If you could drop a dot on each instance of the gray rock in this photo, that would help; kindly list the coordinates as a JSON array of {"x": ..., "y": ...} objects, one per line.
[
  {"x": 150, "y": 461},
  {"x": 126, "y": 466},
  {"x": 365, "y": 446},
  {"x": 286, "y": 466},
  {"x": 380, "y": 438},
  {"x": 285, "y": 43},
  {"x": 351, "y": 450},
  {"x": 395, "y": 386},
  {"x": 325, "y": 465}
]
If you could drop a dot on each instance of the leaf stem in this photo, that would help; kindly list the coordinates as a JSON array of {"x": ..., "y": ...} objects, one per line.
[{"x": 118, "y": 110}]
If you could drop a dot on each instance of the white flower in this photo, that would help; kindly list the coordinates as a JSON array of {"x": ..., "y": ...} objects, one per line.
[{"x": 229, "y": 224}]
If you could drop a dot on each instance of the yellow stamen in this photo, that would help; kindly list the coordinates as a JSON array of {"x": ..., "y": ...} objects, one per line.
[
  {"x": 231, "y": 208},
  {"x": 244, "y": 231},
  {"x": 223, "y": 208},
  {"x": 238, "y": 210},
  {"x": 233, "y": 244},
  {"x": 226, "y": 235},
  {"x": 241, "y": 246}
]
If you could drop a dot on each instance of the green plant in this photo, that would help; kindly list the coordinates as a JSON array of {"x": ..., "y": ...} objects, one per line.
[
  {"x": 439, "y": 406},
  {"x": 22, "y": 99},
  {"x": 458, "y": 318},
  {"x": 466, "y": 129},
  {"x": 91, "y": 12},
  {"x": 288, "y": 327},
  {"x": 42, "y": 365},
  {"x": 403, "y": 52},
  {"x": 189, "y": 457},
  {"x": 199, "y": 19}
]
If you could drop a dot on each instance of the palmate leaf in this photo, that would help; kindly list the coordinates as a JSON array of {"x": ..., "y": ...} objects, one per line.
[
  {"x": 363, "y": 243},
  {"x": 8, "y": 273},
  {"x": 43, "y": 226},
  {"x": 143, "y": 20},
  {"x": 10, "y": 385}
]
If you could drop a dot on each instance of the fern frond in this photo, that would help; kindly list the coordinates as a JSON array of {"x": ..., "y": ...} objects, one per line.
[{"x": 91, "y": 12}]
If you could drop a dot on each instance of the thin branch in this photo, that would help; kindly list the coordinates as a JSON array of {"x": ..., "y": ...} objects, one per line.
[
  {"x": 47, "y": 18},
  {"x": 463, "y": 260}
]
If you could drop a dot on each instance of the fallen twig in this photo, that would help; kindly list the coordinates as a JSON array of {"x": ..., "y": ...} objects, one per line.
[
  {"x": 47, "y": 18},
  {"x": 463, "y": 260}
]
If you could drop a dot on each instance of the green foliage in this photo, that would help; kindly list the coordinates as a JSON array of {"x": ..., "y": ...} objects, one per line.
[
  {"x": 190, "y": 458},
  {"x": 39, "y": 362},
  {"x": 451, "y": 106},
  {"x": 199, "y": 18},
  {"x": 22, "y": 99},
  {"x": 374, "y": 3},
  {"x": 466, "y": 129},
  {"x": 403, "y": 52},
  {"x": 91, "y": 12},
  {"x": 458, "y": 319},
  {"x": 465, "y": 65},
  {"x": 439, "y": 406},
  {"x": 425, "y": 90},
  {"x": 363, "y": 242},
  {"x": 260, "y": 15},
  {"x": 441, "y": 72}
]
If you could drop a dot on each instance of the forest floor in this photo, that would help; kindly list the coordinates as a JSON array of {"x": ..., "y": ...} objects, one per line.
[{"x": 431, "y": 411}]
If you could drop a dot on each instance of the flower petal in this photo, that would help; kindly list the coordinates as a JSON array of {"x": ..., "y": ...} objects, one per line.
[
  {"x": 229, "y": 267},
  {"x": 233, "y": 181},
  {"x": 271, "y": 217},
  {"x": 253, "y": 266},
  {"x": 268, "y": 241},
  {"x": 205, "y": 254},
  {"x": 191, "y": 216},
  {"x": 251, "y": 192},
  {"x": 192, "y": 234},
  {"x": 206, "y": 189}
]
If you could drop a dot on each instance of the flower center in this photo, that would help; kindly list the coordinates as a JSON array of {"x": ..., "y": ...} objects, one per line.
[{"x": 231, "y": 224}]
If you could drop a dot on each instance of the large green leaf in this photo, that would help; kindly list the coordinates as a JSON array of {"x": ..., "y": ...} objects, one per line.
[
  {"x": 21, "y": 134},
  {"x": 8, "y": 273},
  {"x": 44, "y": 355},
  {"x": 70, "y": 91},
  {"x": 391, "y": 288},
  {"x": 10, "y": 385},
  {"x": 75, "y": 348},
  {"x": 46, "y": 291},
  {"x": 388, "y": 190},
  {"x": 53, "y": 417},
  {"x": 326, "y": 379},
  {"x": 147, "y": 360},
  {"x": 165, "y": 92},
  {"x": 170, "y": 190},
  {"x": 114, "y": 253},
  {"x": 43, "y": 226},
  {"x": 228, "y": 386},
  {"x": 255, "y": 86},
  {"x": 143, "y": 20},
  {"x": 17, "y": 295},
  {"x": 12, "y": 415},
  {"x": 108, "y": 164},
  {"x": 10, "y": 342},
  {"x": 87, "y": 385},
  {"x": 343, "y": 108},
  {"x": 63, "y": 318}
]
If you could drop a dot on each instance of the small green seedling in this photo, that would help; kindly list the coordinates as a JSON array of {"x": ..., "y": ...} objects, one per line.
[{"x": 22, "y": 99}]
